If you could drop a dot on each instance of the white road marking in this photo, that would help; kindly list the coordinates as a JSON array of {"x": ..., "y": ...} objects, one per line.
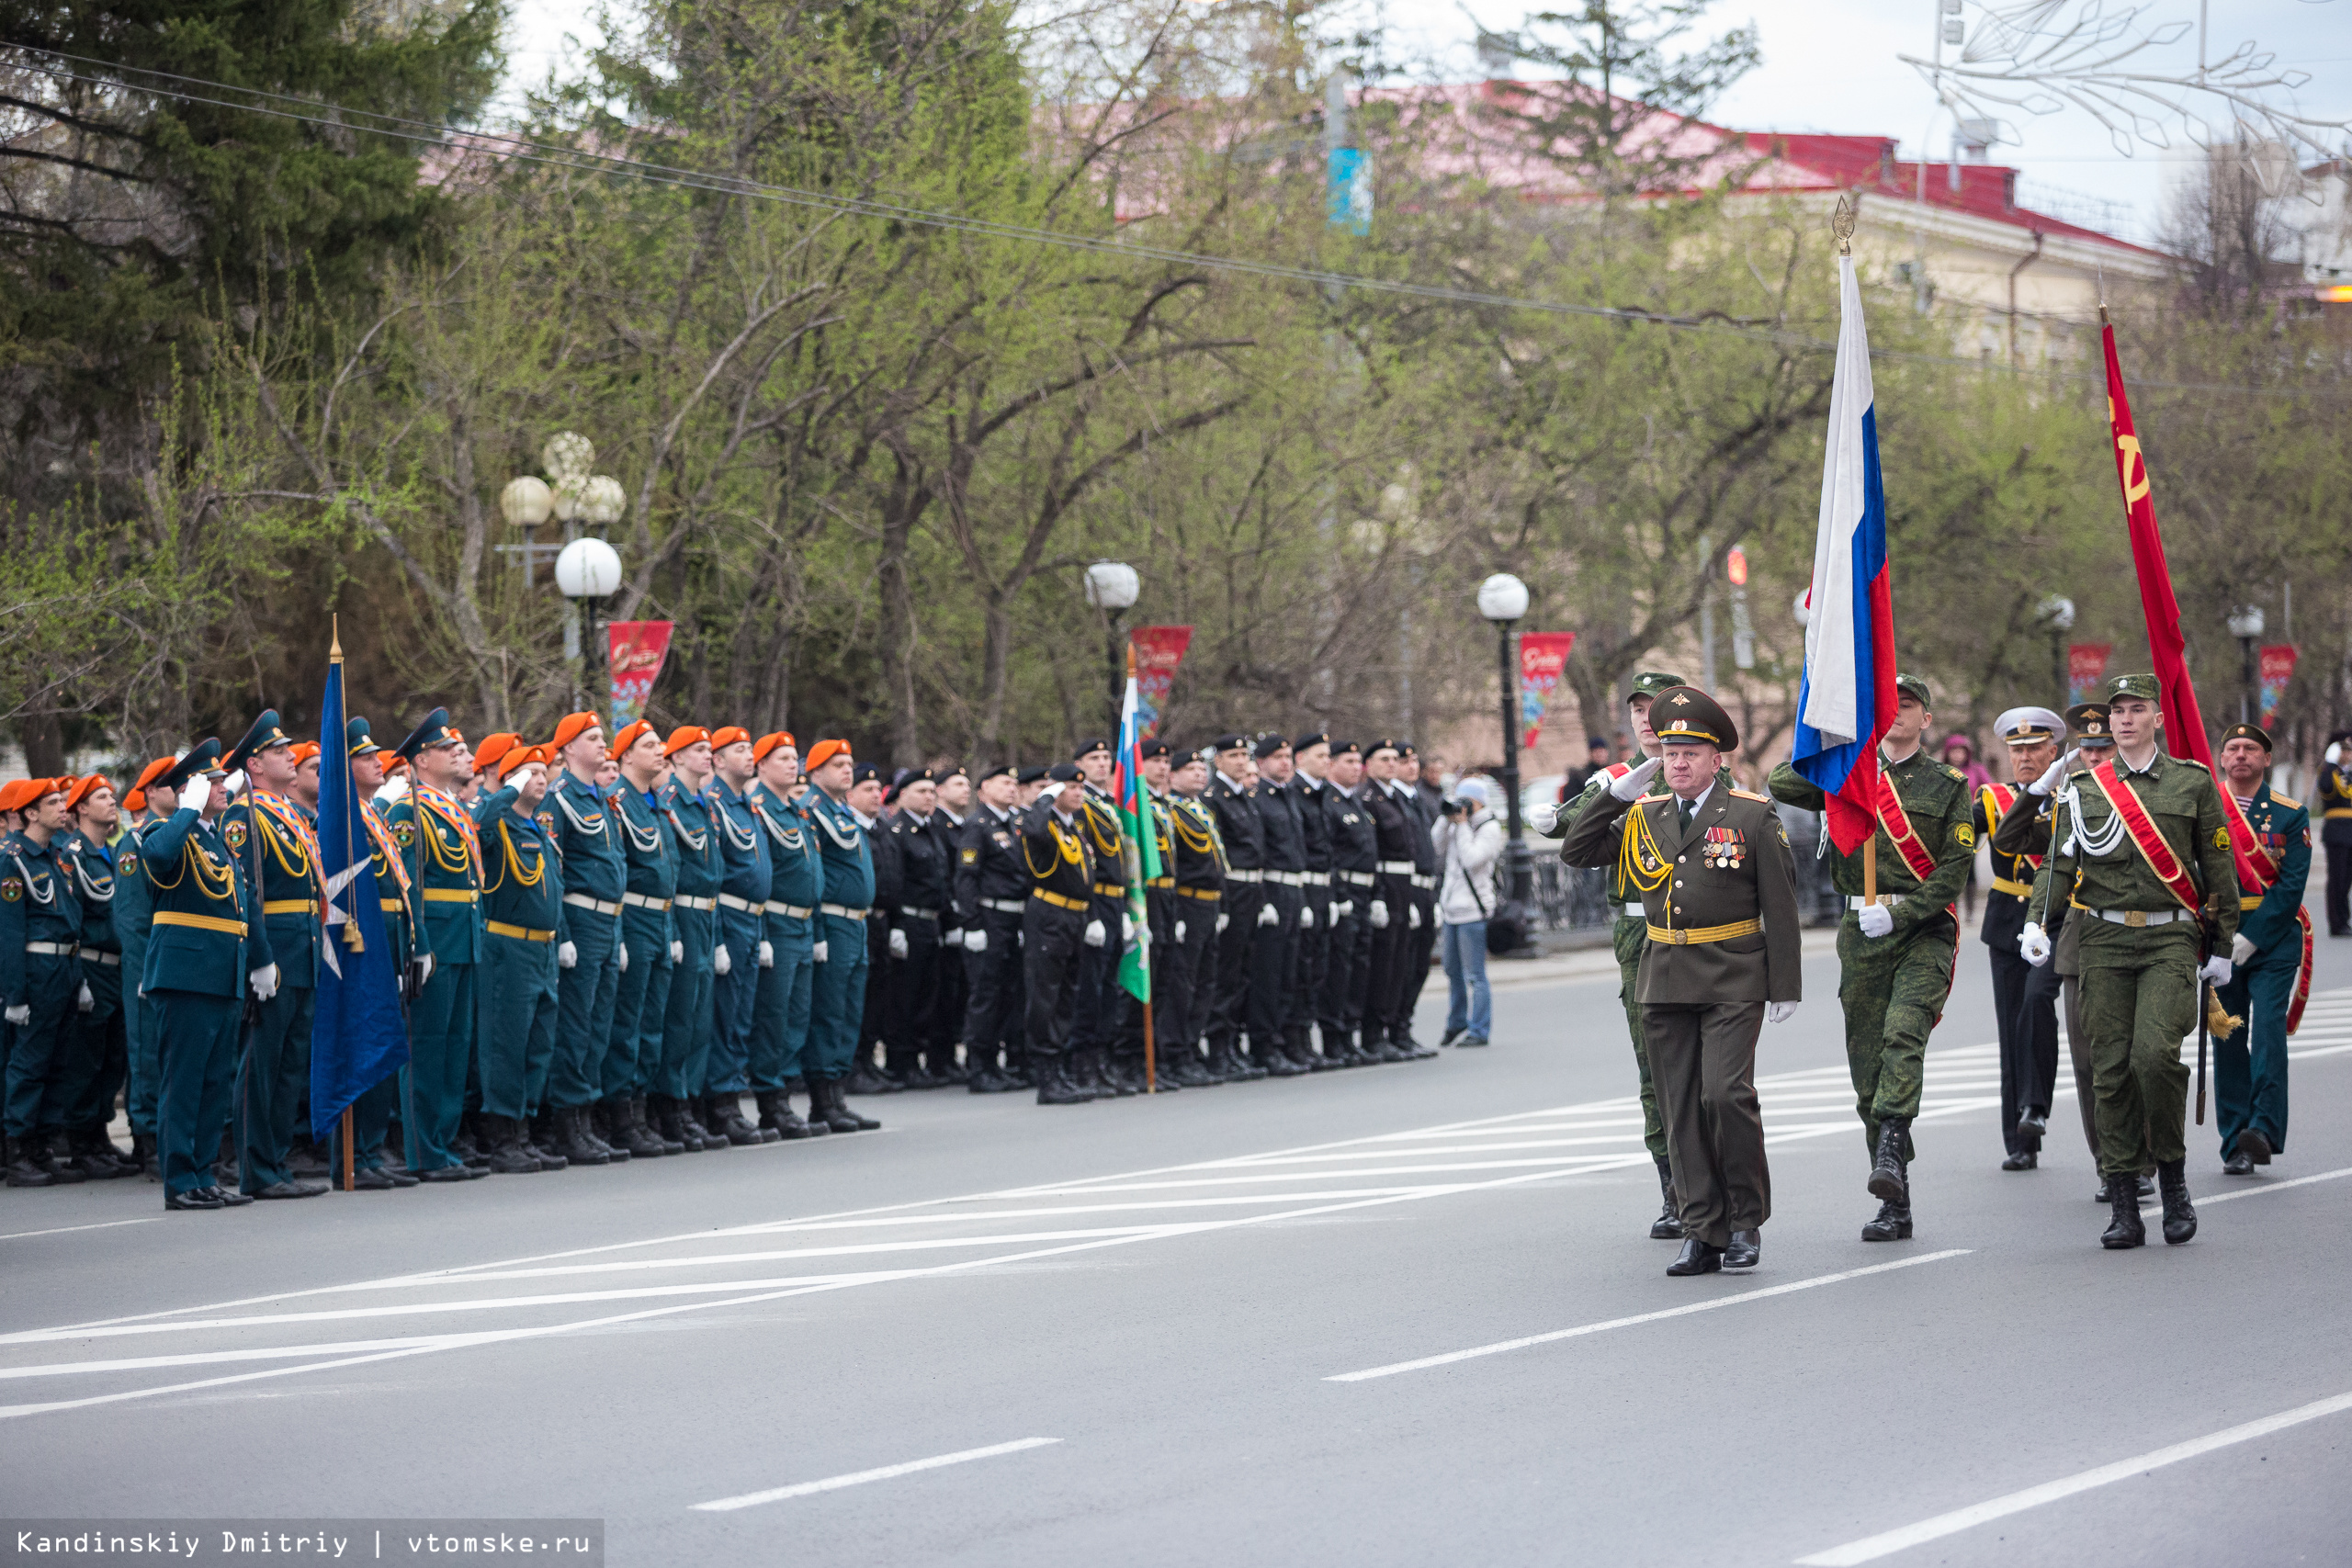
[
  {"x": 62, "y": 1229},
  {"x": 860, "y": 1477},
  {"x": 2155, "y": 1205},
  {"x": 1709, "y": 1305},
  {"x": 1877, "y": 1546}
]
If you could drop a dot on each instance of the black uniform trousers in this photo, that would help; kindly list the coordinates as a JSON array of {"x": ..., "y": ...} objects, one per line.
[
  {"x": 2339, "y": 885},
  {"x": 1423, "y": 946},
  {"x": 1388, "y": 961},
  {"x": 1274, "y": 968},
  {"x": 1230, "y": 1011},
  {"x": 1346, "y": 968},
  {"x": 1096, "y": 1003},
  {"x": 910, "y": 997},
  {"x": 880, "y": 974},
  {"x": 1702, "y": 1060},
  {"x": 1306, "y": 1001},
  {"x": 992, "y": 1021},
  {"x": 1051, "y": 941},
  {"x": 951, "y": 992},
  {"x": 2028, "y": 1043},
  {"x": 1184, "y": 990}
]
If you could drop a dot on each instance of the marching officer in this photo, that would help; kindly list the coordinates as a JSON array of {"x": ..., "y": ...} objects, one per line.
[
  {"x": 40, "y": 980},
  {"x": 1355, "y": 871},
  {"x": 2270, "y": 960},
  {"x": 640, "y": 999},
  {"x": 522, "y": 891},
  {"x": 588, "y": 945},
  {"x": 146, "y": 805},
  {"x": 278, "y": 849},
  {"x": 1233, "y": 800},
  {"x": 436, "y": 835},
  {"x": 991, "y": 891},
  {"x": 680, "y": 1073},
  {"x": 1896, "y": 953},
  {"x": 1057, "y": 926},
  {"x": 98, "y": 1059},
  {"x": 747, "y": 874},
  {"x": 837, "y": 808},
  {"x": 780, "y": 1006},
  {"x": 1719, "y": 902},
  {"x": 2026, "y": 1016},
  {"x": 2144, "y": 847},
  {"x": 925, "y": 858},
  {"x": 397, "y": 896}
]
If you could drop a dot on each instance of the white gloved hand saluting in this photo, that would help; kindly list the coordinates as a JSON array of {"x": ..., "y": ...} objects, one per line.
[
  {"x": 722, "y": 961},
  {"x": 2034, "y": 945},
  {"x": 898, "y": 944},
  {"x": 264, "y": 981},
  {"x": 1095, "y": 935},
  {"x": 767, "y": 953},
  {"x": 1267, "y": 915},
  {"x": 566, "y": 955},
  {"x": 817, "y": 952},
  {"x": 1631, "y": 786},
  {"x": 1380, "y": 914},
  {"x": 2334, "y": 755},
  {"x": 1876, "y": 920},
  {"x": 196, "y": 794},
  {"x": 1542, "y": 819},
  {"x": 2217, "y": 969},
  {"x": 2055, "y": 773},
  {"x": 975, "y": 939},
  {"x": 1780, "y": 1012}
]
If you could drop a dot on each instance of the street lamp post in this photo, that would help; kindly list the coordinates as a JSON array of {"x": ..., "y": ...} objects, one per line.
[
  {"x": 2246, "y": 625},
  {"x": 586, "y": 572},
  {"x": 1502, "y": 599},
  {"x": 1113, "y": 588},
  {"x": 2057, "y": 612}
]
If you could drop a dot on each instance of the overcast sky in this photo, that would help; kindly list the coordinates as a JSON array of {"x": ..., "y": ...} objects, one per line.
[{"x": 1831, "y": 65}]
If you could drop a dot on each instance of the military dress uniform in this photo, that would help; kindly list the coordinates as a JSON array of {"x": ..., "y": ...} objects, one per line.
[
  {"x": 1241, "y": 829},
  {"x": 403, "y": 912},
  {"x": 134, "y": 918},
  {"x": 992, "y": 895},
  {"x": 781, "y": 1005},
  {"x": 40, "y": 983},
  {"x": 681, "y": 1071},
  {"x": 1893, "y": 988},
  {"x": 587, "y": 841},
  {"x": 2141, "y": 952},
  {"x": 1305, "y": 1006},
  {"x": 1422, "y": 811},
  {"x": 1355, "y": 866},
  {"x": 1273, "y": 945},
  {"x": 522, "y": 893},
  {"x": 1391, "y": 812},
  {"x": 748, "y": 874},
  {"x": 953, "y": 993},
  {"x": 1188, "y": 963},
  {"x": 925, "y": 859},
  {"x": 2025, "y": 1014},
  {"x": 642, "y": 997},
  {"x": 1718, "y": 888},
  {"x": 1062, "y": 874},
  {"x": 869, "y": 1073},
  {"x": 2250, "y": 1062},
  {"x": 1098, "y": 1005},
  {"x": 837, "y": 1001},
  {"x": 100, "y": 1060},
  {"x": 2335, "y": 835}
]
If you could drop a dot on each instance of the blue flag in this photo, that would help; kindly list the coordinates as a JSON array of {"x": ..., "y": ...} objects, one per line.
[{"x": 357, "y": 1036}]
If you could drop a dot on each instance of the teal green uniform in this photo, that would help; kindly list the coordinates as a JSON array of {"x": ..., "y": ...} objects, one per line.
[
  {"x": 522, "y": 891},
  {"x": 1892, "y": 989},
  {"x": 205, "y": 940},
  {"x": 588, "y": 847},
  {"x": 837, "y": 1000},
  {"x": 2250, "y": 1062},
  {"x": 40, "y": 928},
  {"x": 641, "y": 999},
  {"x": 272, "y": 843},
  {"x": 742, "y": 905},
  {"x": 781, "y": 1007},
  {"x": 436, "y": 840},
  {"x": 371, "y": 1113},
  {"x": 133, "y": 913},
  {"x": 2139, "y": 989},
  {"x": 97, "y": 1061},
  {"x": 682, "y": 1067}
]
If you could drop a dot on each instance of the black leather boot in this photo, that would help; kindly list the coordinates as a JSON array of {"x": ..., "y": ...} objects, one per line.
[
  {"x": 90, "y": 1153},
  {"x": 508, "y": 1155},
  {"x": 1181, "y": 1066},
  {"x": 538, "y": 1137},
  {"x": 1272, "y": 1060},
  {"x": 837, "y": 1115},
  {"x": 602, "y": 1126},
  {"x": 1667, "y": 1226},
  {"x": 1056, "y": 1086},
  {"x": 1889, "y": 1177},
  {"x": 1891, "y": 1223},
  {"x": 143, "y": 1151},
  {"x": 574, "y": 1142},
  {"x": 23, "y": 1170},
  {"x": 777, "y": 1116},
  {"x": 467, "y": 1146},
  {"x": 641, "y": 1141},
  {"x": 2125, "y": 1229},
  {"x": 725, "y": 1117},
  {"x": 2180, "y": 1215},
  {"x": 816, "y": 1118}
]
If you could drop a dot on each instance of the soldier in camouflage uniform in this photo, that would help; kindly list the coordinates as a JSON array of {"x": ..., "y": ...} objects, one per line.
[
  {"x": 1896, "y": 957},
  {"x": 2141, "y": 947}
]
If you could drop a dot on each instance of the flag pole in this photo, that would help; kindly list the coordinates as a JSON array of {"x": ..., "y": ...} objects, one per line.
[{"x": 1143, "y": 821}]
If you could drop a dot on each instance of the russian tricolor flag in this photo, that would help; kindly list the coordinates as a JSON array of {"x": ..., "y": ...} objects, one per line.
[{"x": 1848, "y": 698}]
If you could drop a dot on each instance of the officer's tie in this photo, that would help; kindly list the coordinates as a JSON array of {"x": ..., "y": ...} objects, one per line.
[{"x": 1689, "y": 808}]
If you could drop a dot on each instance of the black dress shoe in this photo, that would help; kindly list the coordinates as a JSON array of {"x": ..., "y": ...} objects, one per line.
[
  {"x": 401, "y": 1175},
  {"x": 2239, "y": 1164},
  {"x": 2255, "y": 1147},
  {"x": 195, "y": 1197},
  {"x": 450, "y": 1173},
  {"x": 1696, "y": 1257},
  {"x": 277, "y": 1189},
  {"x": 2025, "y": 1159},
  {"x": 2033, "y": 1126},
  {"x": 1746, "y": 1249},
  {"x": 229, "y": 1197},
  {"x": 372, "y": 1178}
]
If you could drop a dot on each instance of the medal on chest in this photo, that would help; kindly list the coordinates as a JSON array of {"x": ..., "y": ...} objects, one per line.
[{"x": 1724, "y": 849}]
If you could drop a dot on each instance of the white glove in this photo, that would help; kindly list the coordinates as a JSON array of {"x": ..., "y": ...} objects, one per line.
[
  {"x": 566, "y": 955},
  {"x": 2055, "y": 773},
  {"x": 2034, "y": 945},
  {"x": 2335, "y": 754},
  {"x": 1380, "y": 914},
  {"x": 1631, "y": 786},
  {"x": 395, "y": 788},
  {"x": 898, "y": 944},
  {"x": 424, "y": 961},
  {"x": 1343, "y": 908},
  {"x": 1543, "y": 817},
  {"x": 722, "y": 961},
  {"x": 235, "y": 782},
  {"x": 1780, "y": 1012},
  {"x": 951, "y": 937},
  {"x": 2216, "y": 969},
  {"x": 84, "y": 1002},
  {"x": 1127, "y": 927},
  {"x": 1876, "y": 919},
  {"x": 767, "y": 953},
  {"x": 623, "y": 951},
  {"x": 21, "y": 1014},
  {"x": 1306, "y": 916},
  {"x": 264, "y": 981},
  {"x": 1095, "y": 935},
  {"x": 1180, "y": 931},
  {"x": 817, "y": 951},
  {"x": 975, "y": 939},
  {"x": 1223, "y": 922},
  {"x": 1412, "y": 916},
  {"x": 196, "y": 794},
  {"x": 1020, "y": 938},
  {"x": 2241, "y": 948},
  {"x": 677, "y": 952},
  {"x": 1267, "y": 915}
]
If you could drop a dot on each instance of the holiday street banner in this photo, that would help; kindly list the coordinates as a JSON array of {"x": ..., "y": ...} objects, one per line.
[
  {"x": 1158, "y": 649},
  {"x": 637, "y": 649},
  {"x": 2086, "y": 662},
  {"x": 2277, "y": 668},
  {"x": 1541, "y": 656}
]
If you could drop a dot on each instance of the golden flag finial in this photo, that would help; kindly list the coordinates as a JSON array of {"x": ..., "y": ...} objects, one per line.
[{"x": 334, "y": 639}]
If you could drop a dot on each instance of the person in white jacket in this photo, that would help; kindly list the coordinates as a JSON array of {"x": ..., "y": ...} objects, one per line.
[{"x": 1469, "y": 841}]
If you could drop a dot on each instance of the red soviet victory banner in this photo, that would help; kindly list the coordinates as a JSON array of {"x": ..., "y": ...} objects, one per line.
[
  {"x": 638, "y": 648},
  {"x": 1542, "y": 658},
  {"x": 1158, "y": 649},
  {"x": 2167, "y": 649}
]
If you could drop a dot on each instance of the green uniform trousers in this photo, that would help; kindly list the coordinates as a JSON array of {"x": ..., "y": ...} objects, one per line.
[
  {"x": 837, "y": 1000},
  {"x": 2250, "y": 1066},
  {"x": 688, "y": 1023},
  {"x": 440, "y": 1040},
  {"x": 100, "y": 1061},
  {"x": 38, "y": 1050},
  {"x": 640, "y": 996},
  {"x": 736, "y": 997},
  {"x": 586, "y": 996},
  {"x": 520, "y": 1000},
  {"x": 2139, "y": 996},
  {"x": 273, "y": 1073},
  {"x": 139, "y": 1032},
  {"x": 197, "y": 1062},
  {"x": 780, "y": 1010},
  {"x": 1892, "y": 989},
  {"x": 1632, "y": 939}
]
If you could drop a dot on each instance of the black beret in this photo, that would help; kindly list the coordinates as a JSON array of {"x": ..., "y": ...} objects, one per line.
[
  {"x": 862, "y": 771},
  {"x": 1000, "y": 769},
  {"x": 906, "y": 776},
  {"x": 1304, "y": 741},
  {"x": 1270, "y": 744},
  {"x": 1373, "y": 747},
  {"x": 1029, "y": 775},
  {"x": 1151, "y": 748},
  {"x": 1346, "y": 748}
]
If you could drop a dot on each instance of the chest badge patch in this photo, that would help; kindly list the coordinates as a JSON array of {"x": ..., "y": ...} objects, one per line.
[
  {"x": 1724, "y": 849},
  {"x": 971, "y": 857},
  {"x": 12, "y": 889},
  {"x": 129, "y": 863},
  {"x": 234, "y": 834},
  {"x": 405, "y": 832}
]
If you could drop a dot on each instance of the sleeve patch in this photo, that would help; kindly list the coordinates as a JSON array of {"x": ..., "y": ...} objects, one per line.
[
  {"x": 405, "y": 832},
  {"x": 2221, "y": 838},
  {"x": 12, "y": 889},
  {"x": 1964, "y": 835},
  {"x": 234, "y": 833},
  {"x": 129, "y": 863},
  {"x": 971, "y": 857}
]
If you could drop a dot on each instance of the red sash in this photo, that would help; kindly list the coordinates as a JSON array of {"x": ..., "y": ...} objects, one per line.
[
  {"x": 2142, "y": 827},
  {"x": 2302, "y": 976},
  {"x": 2003, "y": 798},
  {"x": 1897, "y": 823}
]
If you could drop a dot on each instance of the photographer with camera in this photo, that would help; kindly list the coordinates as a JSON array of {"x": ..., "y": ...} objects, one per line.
[{"x": 1469, "y": 843}]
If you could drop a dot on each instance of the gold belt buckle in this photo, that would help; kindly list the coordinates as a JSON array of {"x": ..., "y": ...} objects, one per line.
[
  {"x": 1679, "y": 938},
  {"x": 2135, "y": 918}
]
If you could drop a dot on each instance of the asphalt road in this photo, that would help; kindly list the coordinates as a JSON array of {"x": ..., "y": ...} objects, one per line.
[{"x": 1163, "y": 1301}]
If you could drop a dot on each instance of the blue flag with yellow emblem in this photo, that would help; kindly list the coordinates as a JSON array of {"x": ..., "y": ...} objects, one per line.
[{"x": 357, "y": 1036}]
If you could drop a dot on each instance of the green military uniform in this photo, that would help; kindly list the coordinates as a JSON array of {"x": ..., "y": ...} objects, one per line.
[
  {"x": 133, "y": 915},
  {"x": 2250, "y": 1062},
  {"x": 40, "y": 978},
  {"x": 1892, "y": 988},
  {"x": 371, "y": 1113},
  {"x": 522, "y": 896},
  {"x": 100, "y": 1061},
  {"x": 1719, "y": 917},
  {"x": 680, "y": 1070},
  {"x": 2139, "y": 949}
]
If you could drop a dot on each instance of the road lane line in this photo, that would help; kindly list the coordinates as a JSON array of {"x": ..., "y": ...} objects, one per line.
[
  {"x": 1500, "y": 1346},
  {"x": 2155, "y": 1205},
  {"x": 62, "y": 1229},
  {"x": 860, "y": 1477},
  {"x": 1873, "y": 1547}
]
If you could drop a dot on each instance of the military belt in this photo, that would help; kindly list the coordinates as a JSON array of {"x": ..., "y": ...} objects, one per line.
[
  {"x": 578, "y": 901},
  {"x": 842, "y": 911},
  {"x": 2136, "y": 918},
  {"x": 2022, "y": 889},
  {"x": 1396, "y": 868},
  {"x": 289, "y": 906},
  {"x": 1856, "y": 901},
  {"x": 450, "y": 895},
  {"x": 644, "y": 901},
  {"x": 744, "y": 905},
  {"x": 520, "y": 933},
  {"x": 1159, "y": 882},
  {"x": 2249, "y": 901},
  {"x": 100, "y": 957},
  {"x": 53, "y": 949},
  {"x": 912, "y": 913},
  {"x": 1236, "y": 874},
  {"x": 1288, "y": 878},
  {"x": 1693, "y": 935},
  {"x": 1361, "y": 878},
  {"x": 1002, "y": 905},
  {"x": 1205, "y": 895},
  {"x": 1056, "y": 899},
  {"x": 699, "y": 906},
  {"x": 1425, "y": 882},
  {"x": 395, "y": 906},
  {"x": 2337, "y": 811},
  {"x": 1109, "y": 890},
  {"x": 199, "y": 922},
  {"x": 797, "y": 911}
]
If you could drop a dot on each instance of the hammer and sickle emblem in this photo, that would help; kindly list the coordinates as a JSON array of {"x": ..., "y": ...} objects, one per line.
[{"x": 2135, "y": 468}]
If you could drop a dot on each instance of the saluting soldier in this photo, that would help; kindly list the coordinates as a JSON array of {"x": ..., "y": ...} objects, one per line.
[
  {"x": 144, "y": 805},
  {"x": 1355, "y": 867},
  {"x": 920, "y": 1049},
  {"x": 837, "y": 809},
  {"x": 1719, "y": 903},
  {"x": 2270, "y": 960},
  {"x": 397, "y": 896},
  {"x": 40, "y": 980},
  {"x": 780, "y": 1008},
  {"x": 522, "y": 891},
  {"x": 2026, "y": 1017},
  {"x": 1895, "y": 956},
  {"x": 642, "y": 997},
  {"x": 97, "y": 1061},
  {"x": 951, "y": 994},
  {"x": 588, "y": 943},
  {"x": 681, "y": 1072},
  {"x": 1233, "y": 799},
  {"x": 747, "y": 877},
  {"x": 1057, "y": 926},
  {"x": 436, "y": 835},
  {"x": 2143, "y": 843},
  {"x": 991, "y": 890}
]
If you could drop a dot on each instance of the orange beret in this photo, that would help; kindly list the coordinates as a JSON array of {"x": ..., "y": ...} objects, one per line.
[
  {"x": 135, "y": 802},
  {"x": 399, "y": 764},
  {"x": 151, "y": 772},
  {"x": 522, "y": 756},
  {"x": 683, "y": 736},
  {"x": 572, "y": 727},
  {"x": 727, "y": 735},
  {"x": 12, "y": 794},
  {"x": 628, "y": 737},
  {"x": 80, "y": 790},
  {"x": 767, "y": 743},
  {"x": 493, "y": 748},
  {"x": 304, "y": 751},
  {"x": 823, "y": 752}
]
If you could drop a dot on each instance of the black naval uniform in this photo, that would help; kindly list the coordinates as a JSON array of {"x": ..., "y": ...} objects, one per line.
[
  {"x": 992, "y": 895},
  {"x": 1304, "y": 1003},
  {"x": 1099, "y": 1006},
  {"x": 1384, "y": 1034},
  {"x": 1242, "y": 832},
  {"x": 1061, "y": 863},
  {"x": 1189, "y": 958},
  {"x": 953, "y": 992},
  {"x": 925, "y": 862},
  {"x": 2336, "y": 839},
  {"x": 1273, "y": 949},
  {"x": 1421, "y": 809},
  {"x": 869, "y": 1075},
  {"x": 2025, "y": 1014},
  {"x": 1355, "y": 864}
]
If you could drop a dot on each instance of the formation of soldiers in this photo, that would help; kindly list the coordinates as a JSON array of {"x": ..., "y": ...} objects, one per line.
[{"x": 604, "y": 943}]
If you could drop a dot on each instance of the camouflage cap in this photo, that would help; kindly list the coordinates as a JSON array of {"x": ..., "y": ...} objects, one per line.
[
  {"x": 1650, "y": 682},
  {"x": 1912, "y": 686},
  {"x": 2143, "y": 686}
]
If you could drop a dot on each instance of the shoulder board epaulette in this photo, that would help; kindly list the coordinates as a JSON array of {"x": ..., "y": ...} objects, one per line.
[
  {"x": 1751, "y": 794},
  {"x": 2193, "y": 763},
  {"x": 2279, "y": 797},
  {"x": 1950, "y": 771}
]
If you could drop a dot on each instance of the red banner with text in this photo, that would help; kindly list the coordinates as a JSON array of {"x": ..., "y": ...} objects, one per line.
[
  {"x": 2086, "y": 662},
  {"x": 2277, "y": 668},
  {"x": 637, "y": 649},
  {"x": 1158, "y": 649},
  {"x": 1541, "y": 656}
]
